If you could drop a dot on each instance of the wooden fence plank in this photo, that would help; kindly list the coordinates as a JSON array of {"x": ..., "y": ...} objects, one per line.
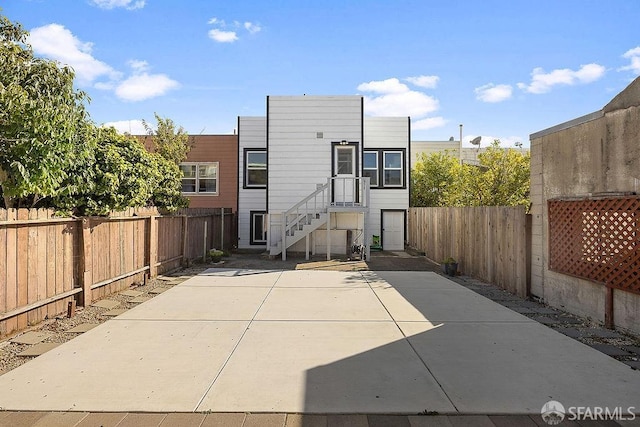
[
  {"x": 4, "y": 288},
  {"x": 490, "y": 243},
  {"x": 12, "y": 271}
]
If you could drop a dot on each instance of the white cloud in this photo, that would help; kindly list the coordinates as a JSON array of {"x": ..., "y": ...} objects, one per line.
[
  {"x": 388, "y": 86},
  {"x": 56, "y": 42},
  {"x": 138, "y": 66},
  {"x": 112, "y": 4},
  {"x": 634, "y": 56},
  {"x": 429, "y": 123},
  {"x": 252, "y": 28},
  {"x": 223, "y": 36},
  {"x": 427, "y": 82},
  {"x": 133, "y": 127},
  {"x": 143, "y": 86},
  {"x": 542, "y": 82},
  {"x": 392, "y": 98},
  {"x": 493, "y": 93}
]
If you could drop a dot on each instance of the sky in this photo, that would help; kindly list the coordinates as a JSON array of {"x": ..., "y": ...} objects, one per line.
[{"x": 503, "y": 69}]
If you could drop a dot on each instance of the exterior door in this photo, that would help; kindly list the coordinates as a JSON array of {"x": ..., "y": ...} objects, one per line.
[
  {"x": 393, "y": 230},
  {"x": 344, "y": 169}
]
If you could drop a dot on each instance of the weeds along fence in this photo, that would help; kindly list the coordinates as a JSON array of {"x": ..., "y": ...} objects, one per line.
[
  {"x": 48, "y": 261},
  {"x": 491, "y": 243}
]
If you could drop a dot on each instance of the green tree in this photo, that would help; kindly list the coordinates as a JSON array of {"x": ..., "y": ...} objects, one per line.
[
  {"x": 501, "y": 178},
  {"x": 432, "y": 179},
  {"x": 42, "y": 118},
  {"x": 118, "y": 173},
  {"x": 171, "y": 142}
]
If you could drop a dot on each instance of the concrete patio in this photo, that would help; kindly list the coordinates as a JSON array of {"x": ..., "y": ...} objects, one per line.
[{"x": 329, "y": 342}]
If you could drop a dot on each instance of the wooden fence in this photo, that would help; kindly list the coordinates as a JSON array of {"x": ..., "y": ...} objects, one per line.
[
  {"x": 47, "y": 261},
  {"x": 491, "y": 243}
]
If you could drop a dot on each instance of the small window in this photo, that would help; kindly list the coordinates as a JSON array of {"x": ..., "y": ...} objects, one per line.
[
  {"x": 370, "y": 167},
  {"x": 188, "y": 178},
  {"x": 258, "y": 228},
  {"x": 393, "y": 169},
  {"x": 200, "y": 178},
  {"x": 345, "y": 161},
  {"x": 255, "y": 169}
]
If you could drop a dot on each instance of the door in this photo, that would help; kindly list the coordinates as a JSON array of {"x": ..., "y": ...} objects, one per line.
[
  {"x": 344, "y": 170},
  {"x": 393, "y": 230}
]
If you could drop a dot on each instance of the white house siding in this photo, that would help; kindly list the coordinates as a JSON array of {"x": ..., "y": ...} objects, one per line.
[
  {"x": 252, "y": 133},
  {"x": 298, "y": 159},
  {"x": 388, "y": 133}
]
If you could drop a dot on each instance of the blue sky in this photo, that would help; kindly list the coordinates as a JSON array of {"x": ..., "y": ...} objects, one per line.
[{"x": 504, "y": 69}]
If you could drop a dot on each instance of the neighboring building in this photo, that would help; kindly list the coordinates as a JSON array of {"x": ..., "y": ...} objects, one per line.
[
  {"x": 315, "y": 174},
  {"x": 585, "y": 179},
  {"x": 211, "y": 172},
  {"x": 451, "y": 147}
]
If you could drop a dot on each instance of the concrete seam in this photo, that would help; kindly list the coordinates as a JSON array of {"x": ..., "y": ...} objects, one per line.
[
  {"x": 424, "y": 363},
  {"x": 233, "y": 350}
]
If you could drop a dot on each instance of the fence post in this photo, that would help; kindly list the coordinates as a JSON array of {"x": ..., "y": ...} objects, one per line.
[
  {"x": 153, "y": 246},
  {"x": 86, "y": 262},
  {"x": 204, "y": 242},
  {"x": 221, "y": 229},
  {"x": 185, "y": 239}
]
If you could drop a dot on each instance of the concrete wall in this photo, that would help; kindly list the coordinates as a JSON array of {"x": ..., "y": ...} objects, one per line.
[{"x": 597, "y": 154}]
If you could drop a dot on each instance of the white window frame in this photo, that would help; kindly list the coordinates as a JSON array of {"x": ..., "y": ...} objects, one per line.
[
  {"x": 247, "y": 152},
  {"x": 384, "y": 169},
  {"x": 197, "y": 178},
  {"x": 377, "y": 168}
]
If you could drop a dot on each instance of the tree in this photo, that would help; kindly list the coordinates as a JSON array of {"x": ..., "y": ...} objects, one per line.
[
  {"x": 119, "y": 173},
  {"x": 42, "y": 118},
  {"x": 500, "y": 179},
  {"x": 432, "y": 179},
  {"x": 171, "y": 143}
]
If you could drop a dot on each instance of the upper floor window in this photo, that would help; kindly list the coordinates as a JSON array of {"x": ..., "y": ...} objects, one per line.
[
  {"x": 393, "y": 168},
  {"x": 255, "y": 169},
  {"x": 370, "y": 167},
  {"x": 386, "y": 168},
  {"x": 200, "y": 178}
]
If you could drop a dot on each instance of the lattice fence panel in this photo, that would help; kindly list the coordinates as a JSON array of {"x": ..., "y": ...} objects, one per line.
[{"x": 597, "y": 239}]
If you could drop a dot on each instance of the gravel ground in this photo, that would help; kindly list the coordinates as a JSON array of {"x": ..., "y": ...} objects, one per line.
[{"x": 621, "y": 346}]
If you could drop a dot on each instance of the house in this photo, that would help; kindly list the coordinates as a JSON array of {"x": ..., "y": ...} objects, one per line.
[
  {"x": 585, "y": 179},
  {"x": 210, "y": 172},
  {"x": 317, "y": 176}
]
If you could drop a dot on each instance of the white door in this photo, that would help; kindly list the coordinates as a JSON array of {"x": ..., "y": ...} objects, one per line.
[
  {"x": 393, "y": 231},
  {"x": 344, "y": 168}
]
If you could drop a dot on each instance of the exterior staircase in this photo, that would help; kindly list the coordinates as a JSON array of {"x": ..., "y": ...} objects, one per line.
[{"x": 313, "y": 211}]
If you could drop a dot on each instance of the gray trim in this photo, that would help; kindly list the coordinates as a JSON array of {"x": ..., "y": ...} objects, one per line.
[{"x": 566, "y": 125}]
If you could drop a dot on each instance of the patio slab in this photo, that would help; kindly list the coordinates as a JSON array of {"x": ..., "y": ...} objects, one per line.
[
  {"x": 387, "y": 343},
  {"x": 331, "y": 303},
  {"x": 106, "y": 303},
  {"x": 125, "y": 366},
  {"x": 186, "y": 302},
  {"x": 39, "y": 349},
  {"x": 319, "y": 367}
]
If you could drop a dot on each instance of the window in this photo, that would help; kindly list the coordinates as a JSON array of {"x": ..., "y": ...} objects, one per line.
[
  {"x": 386, "y": 168},
  {"x": 255, "y": 170},
  {"x": 344, "y": 161},
  {"x": 258, "y": 228},
  {"x": 392, "y": 169},
  {"x": 200, "y": 178},
  {"x": 370, "y": 167}
]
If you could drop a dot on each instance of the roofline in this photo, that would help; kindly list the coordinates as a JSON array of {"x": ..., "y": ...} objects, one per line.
[{"x": 566, "y": 125}]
